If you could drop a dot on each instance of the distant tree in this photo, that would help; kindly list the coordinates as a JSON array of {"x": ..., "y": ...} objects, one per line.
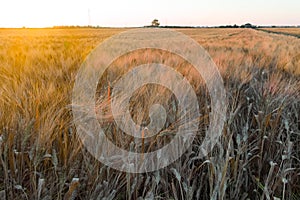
[
  {"x": 248, "y": 25},
  {"x": 155, "y": 23}
]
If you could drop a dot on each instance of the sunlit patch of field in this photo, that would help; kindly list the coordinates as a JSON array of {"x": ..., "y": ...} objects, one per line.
[{"x": 257, "y": 156}]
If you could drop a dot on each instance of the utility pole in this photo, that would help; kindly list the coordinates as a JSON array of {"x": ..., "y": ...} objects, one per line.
[{"x": 89, "y": 17}]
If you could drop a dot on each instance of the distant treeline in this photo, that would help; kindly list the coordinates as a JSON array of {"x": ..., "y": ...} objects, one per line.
[
  {"x": 254, "y": 26},
  {"x": 226, "y": 26},
  {"x": 248, "y": 25},
  {"x": 64, "y": 27}
]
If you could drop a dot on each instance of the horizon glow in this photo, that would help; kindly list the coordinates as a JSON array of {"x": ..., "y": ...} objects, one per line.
[{"x": 134, "y": 13}]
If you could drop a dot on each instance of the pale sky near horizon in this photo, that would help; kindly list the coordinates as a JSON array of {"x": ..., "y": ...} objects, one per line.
[{"x": 117, "y": 13}]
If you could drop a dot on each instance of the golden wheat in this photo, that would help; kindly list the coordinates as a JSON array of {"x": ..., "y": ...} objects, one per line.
[{"x": 42, "y": 157}]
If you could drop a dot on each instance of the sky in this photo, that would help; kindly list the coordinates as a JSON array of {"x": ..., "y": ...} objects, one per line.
[{"x": 133, "y": 13}]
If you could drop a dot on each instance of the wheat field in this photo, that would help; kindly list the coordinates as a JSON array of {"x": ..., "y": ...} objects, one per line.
[
  {"x": 288, "y": 31},
  {"x": 257, "y": 157}
]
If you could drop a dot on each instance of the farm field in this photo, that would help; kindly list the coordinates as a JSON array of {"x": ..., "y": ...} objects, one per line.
[
  {"x": 288, "y": 31},
  {"x": 257, "y": 157}
]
